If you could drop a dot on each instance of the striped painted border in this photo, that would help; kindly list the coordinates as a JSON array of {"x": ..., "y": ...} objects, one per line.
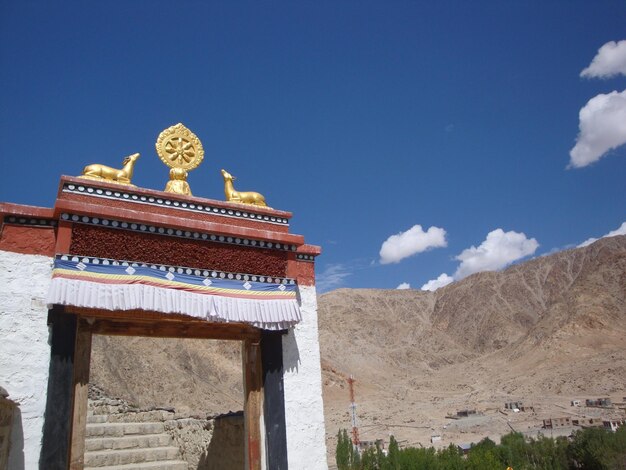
[{"x": 198, "y": 276}]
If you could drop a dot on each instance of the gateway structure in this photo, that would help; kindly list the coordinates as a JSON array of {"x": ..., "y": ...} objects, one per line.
[{"x": 111, "y": 258}]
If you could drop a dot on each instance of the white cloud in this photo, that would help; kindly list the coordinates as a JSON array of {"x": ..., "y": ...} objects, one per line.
[
  {"x": 621, "y": 230},
  {"x": 434, "y": 284},
  {"x": 602, "y": 128},
  {"x": 608, "y": 62},
  {"x": 332, "y": 277},
  {"x": 497, "y": 251},
  {"x": 403, "y": 286},
  {"x": 415, "y": 240}
]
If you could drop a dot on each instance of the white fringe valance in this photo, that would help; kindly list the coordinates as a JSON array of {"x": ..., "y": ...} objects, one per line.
[{"x": 78, "y": 283}]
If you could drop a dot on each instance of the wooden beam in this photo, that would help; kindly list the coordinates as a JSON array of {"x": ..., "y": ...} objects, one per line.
[
  {"x": 191, "y": 330},
  {"x": 55, "y": 442},
  {"x": 82, "y": 359},
  {"x": 155, "y": 324},
  {"x": 135, "y": 314},
  {"x": 253, "y": 405}
]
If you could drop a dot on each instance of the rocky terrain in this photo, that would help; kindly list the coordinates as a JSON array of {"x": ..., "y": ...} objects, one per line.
[{"x": 543, "y": 332}]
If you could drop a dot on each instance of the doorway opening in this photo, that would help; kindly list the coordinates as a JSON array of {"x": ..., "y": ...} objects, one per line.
[
  {"x": 181, "y": 398},
  {"x": 77, "y": 333}
]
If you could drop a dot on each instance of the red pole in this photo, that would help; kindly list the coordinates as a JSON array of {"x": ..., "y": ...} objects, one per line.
[{"x": 355, "y": 430}]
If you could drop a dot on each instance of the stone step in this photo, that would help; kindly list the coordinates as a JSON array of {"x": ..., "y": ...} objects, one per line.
[
  {"x": 127, "y": 442},
  {"x": 123, "y": 429},
  {"x": 91, "y": 419},
  {"x": 135, "y": 417},
  {"x": 163, "y": 465},
  {"x": 108, "y": 409},
  {"x": 107, "y": 401},
  {"x": 104, "y": 458}
]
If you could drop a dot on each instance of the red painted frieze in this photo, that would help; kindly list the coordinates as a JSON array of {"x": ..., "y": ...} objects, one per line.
[
  {"x": 24, "y": 236},
  {"x": 27, "y": 240},
  {"x": 102, "y": 242},
  {"x": 303, "y": 271}
]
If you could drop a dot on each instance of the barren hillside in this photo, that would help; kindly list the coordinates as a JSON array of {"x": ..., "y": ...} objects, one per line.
[{"x": 545, "y": 331}]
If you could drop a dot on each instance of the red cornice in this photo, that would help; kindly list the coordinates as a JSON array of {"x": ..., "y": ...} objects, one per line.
[
  {"x": 20, "y": 210},
  {"x": 162, "y": 194}
]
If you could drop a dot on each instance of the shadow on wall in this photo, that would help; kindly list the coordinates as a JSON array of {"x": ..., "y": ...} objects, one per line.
[
  {"x": 291, "y": 353},
  {"x": 226, "y": 450},
  {"x": 11, "y": 434}
]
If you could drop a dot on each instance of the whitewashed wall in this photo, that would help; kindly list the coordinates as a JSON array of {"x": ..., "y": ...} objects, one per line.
[
  {"x": 304, "y": 409},
  {"x": 24, "y": 349}
]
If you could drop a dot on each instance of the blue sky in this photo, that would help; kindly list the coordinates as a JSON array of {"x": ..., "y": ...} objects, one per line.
[{"x": 363, "y": 118}]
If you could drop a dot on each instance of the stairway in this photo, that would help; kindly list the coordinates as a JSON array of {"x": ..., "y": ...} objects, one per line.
[{"x": 112, "y": 444}]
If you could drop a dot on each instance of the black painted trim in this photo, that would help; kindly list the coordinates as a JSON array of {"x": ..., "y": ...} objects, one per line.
[
  {"x": 58, "y": 414},
  {"x": 127, "y": 195},
  {"x": 274, "y": 399},
  {"x": 172, "y": 232},
  {"x": 31, "y": 221}
]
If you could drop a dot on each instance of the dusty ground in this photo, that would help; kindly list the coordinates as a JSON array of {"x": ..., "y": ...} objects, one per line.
[{"x": 421, "y": 412}]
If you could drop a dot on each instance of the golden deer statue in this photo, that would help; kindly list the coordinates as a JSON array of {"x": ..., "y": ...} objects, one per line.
[
  {"x": 243, "y": 197},
  {"x": 112, "y": 175}
]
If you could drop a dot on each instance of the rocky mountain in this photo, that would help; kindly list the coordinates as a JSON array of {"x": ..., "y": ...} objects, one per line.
[
  {"x": 526, "y": 304},
  {"x": 545, "y": 331}
]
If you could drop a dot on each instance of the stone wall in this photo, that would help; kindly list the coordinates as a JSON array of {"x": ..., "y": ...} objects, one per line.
[
  {"x": 24, "y": 350},
  {"x": 205, "y": 443},
  {"x": 7, "y": 408},
  {"x": 210, "y": 444}
]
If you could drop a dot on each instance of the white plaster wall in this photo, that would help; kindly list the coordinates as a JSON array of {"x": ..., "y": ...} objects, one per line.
[
  {"x": 24, "y": 349},
  {"x": 304, "y": 409}
]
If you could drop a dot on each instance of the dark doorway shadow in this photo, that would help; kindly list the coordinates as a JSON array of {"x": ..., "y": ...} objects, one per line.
[
  {"x": 291, "y": 353},
  {"x": 16, "y": 455}
]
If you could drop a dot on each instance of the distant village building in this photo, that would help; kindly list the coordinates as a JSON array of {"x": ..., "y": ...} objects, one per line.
[
  {"x": 575, "y": 402},
  {"x": 613, "y": 424},
  {"x": 465, "y": 413},
  {"x": 587, "y": 422},
  {"x": 553, "y": 423},
  {"x": 599, "y": 402},
  {"x": 435, "y": 438},
  {"x": 517, "y": 406},
  {"x": 464, "y": 448},
  {"x": 375, "y": 444}
]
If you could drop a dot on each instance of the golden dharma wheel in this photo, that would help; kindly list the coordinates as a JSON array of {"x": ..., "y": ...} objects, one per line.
[{"x": 178, "y": 147}]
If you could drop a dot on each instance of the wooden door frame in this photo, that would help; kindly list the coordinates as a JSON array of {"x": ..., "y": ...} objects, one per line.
[{"x": 158, "y": 325}]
